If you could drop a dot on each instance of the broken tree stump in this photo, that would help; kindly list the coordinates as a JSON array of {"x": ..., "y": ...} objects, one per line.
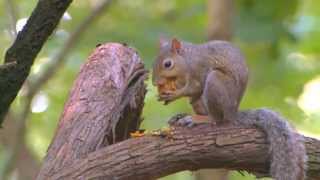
[{"x": 104, "y": 105}]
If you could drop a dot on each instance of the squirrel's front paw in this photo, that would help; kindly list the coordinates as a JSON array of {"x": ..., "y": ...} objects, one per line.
[
  {"x": 170, "y": 96},
  {"x": 181, "y": 120}
]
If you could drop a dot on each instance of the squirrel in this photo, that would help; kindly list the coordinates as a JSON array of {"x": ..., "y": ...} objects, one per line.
[{"x": 214, "y": 77}]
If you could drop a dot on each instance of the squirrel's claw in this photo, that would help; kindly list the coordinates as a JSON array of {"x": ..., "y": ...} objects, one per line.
[
  {"x": 168, "y": 97},
  {"x": 181, "y": 120},
  {"x": 176, "y": 117}
]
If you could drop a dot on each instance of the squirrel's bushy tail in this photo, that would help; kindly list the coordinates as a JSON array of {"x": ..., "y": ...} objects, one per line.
[{"x": 287, "y": 150}]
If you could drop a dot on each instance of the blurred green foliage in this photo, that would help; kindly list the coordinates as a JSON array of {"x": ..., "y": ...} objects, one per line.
[{"x": 279, "y": 38}]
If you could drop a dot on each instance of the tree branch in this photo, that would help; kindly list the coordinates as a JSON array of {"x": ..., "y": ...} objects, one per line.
[
  {"x": 27, "y": 45},
  {"x": 33, "y": 86},
  {"x": 12, "y": 13},
  {"x": 104, "y": 105},
  {"x": 17, "y": 139},
  {"x": 59, "y": 59},
  {"x": 203, "y": 146},
  {"x": 19, "y": 158}
]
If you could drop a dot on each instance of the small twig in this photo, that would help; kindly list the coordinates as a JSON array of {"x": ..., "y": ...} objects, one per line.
[
  {"x": 11, "y": 159},
  {"x": 60, "y": 58},
  {"x": 13, "y": 16}
]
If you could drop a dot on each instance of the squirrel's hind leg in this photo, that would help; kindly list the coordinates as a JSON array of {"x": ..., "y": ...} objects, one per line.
[{"x": 219, "y": 97}]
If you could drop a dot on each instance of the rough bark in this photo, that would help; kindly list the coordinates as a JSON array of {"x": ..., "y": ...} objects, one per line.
[
  {"x": 103, "y": 107},
  {"x": 20, "y": 56},
  {"x": 230, "y": 147}
]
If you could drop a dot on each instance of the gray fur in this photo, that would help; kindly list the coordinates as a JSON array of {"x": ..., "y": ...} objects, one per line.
[
  {"x": 215, "y": 74},
  {"x": 287, "y": 150}
]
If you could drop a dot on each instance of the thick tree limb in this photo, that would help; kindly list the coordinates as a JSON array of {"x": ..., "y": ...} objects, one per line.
[
  {"x": 106, "y": 100},
  {"x": 27, "y": 45},
  {"x": 231, "y": 147}
]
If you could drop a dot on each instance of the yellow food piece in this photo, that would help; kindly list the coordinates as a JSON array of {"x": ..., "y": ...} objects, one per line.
[
  {"x": 170, "y": 85},
  {"x": 136, "y": 134},
  {"x": 163, "y": 132}
]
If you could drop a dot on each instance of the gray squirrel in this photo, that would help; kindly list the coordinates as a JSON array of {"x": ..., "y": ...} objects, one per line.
[{"x": 214, "y": 76}]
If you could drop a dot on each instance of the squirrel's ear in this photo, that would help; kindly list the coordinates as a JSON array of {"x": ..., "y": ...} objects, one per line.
[{"x": 175, "y": 45}]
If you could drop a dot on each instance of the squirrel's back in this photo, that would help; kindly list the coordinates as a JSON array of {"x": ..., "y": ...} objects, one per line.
[
  {"x": 229, "y": 55},
  {"x": 224, "y": 56},
  {"x": 221, "y": 53}
]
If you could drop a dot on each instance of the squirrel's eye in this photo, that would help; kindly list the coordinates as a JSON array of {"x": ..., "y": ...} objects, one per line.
[{"x": 167, "y": 64}]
